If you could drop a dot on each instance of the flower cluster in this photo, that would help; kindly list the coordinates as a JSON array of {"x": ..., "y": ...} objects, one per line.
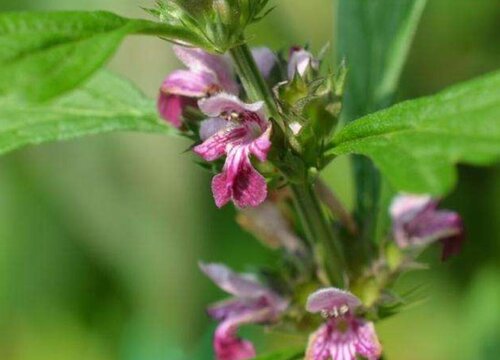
[
  {"x": 232, "y": 129},
  {"x": 254, "y": 153}
]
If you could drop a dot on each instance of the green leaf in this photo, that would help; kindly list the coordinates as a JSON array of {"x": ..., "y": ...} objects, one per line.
[
  {"x": 107, "y": 103},
  {"x": 417, "y": 143},
  {"x": 289, "y": 354},
  {"x": 43, "y": 55},
  {"x": 374, "y": 38}
]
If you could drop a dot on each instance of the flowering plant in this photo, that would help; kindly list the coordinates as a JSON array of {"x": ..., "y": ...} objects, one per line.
[{"x": 265, "y": 124}]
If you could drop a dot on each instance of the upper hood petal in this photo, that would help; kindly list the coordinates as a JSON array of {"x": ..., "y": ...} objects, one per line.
[
  {"x": 330, "y": 299},
  {"x": 235, "y": 284},
  {"x": 198, "y": 60},
  {"x": 220, "y": 103}
]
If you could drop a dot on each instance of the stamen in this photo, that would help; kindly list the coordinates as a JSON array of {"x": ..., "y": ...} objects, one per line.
[
  {"x": 344, "y": 309},
  {"x": 336, "y": 312},
  {"x": 230, "y": 116},
  {"x": 324, "y": 314}
]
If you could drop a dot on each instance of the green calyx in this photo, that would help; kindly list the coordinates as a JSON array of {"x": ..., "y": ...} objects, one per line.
[{"x": 218, "y": 25}]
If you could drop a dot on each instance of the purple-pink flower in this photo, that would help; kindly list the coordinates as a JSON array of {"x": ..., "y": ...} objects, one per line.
[
  {"x": 344, "y": 336},
  {"x": 252, "y": 303},
  {"x": 300, "y": 60},
  {"x": 265, "y": 59},
  {"x": 236, "y": 130},
  {"x": 207, "y": 75},
  {"x": 417, "y": 222}
]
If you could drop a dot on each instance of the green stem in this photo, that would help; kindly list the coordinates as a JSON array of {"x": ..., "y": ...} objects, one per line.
[
  {"x": 316, "y": 225},
  {"x": 253, "y": 82},
  {"x": 368, "y": 181},
  {"x": 318, "y": 230}
]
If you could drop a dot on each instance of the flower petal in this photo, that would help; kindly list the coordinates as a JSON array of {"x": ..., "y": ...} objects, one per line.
[
  {"x": 228, "y": 346},
  {"x": 215, "y": 146},
  {"x": 220, "y": 103},
  {"x": 225, "y": 309},
  {"x": 188, "y": 83},
  {"x": 170, "y": 107},
  {"x": 235, "y": 284},
  {"x": 265, "y": 60},
  {"x": 198, "y": 60},
  {"x": 212, "y": 126},
  {"x": 317, "y": 348},
  {"x": 260, "y": 147},
  {"x": 221, "y": 189},
  {"x": 249, "y": 187},
  {"x": 409, "y": 205},
  {"x": 451, "y": 246},
  {"x": 433, "y": 225},
  {"x": 226, "y": 343},
  {"x": 367, "y": 343},
  {"x": 417, "y": 222},
  {"x": 330, "y": 299},
  {"x": 301, "y": 60},
  {"x": 239, "y": 181},
  {"x": 344, "y": 339}
]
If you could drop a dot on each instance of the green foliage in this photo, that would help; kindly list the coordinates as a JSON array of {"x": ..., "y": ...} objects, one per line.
[
  {"x": 289, "y": 354},
  {"x": 43, "y": 55},
  {"x": 417, "y": 143},
  {"x": 374, "y": 37},
  {"x": 218, "y": 24},
  {"x": 107, "y": 103}
]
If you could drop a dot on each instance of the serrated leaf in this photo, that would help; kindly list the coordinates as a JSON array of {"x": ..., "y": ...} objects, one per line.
[
  {"x": 107, "y": 103},
  {"x": 417, "y": 143},
  {"x": 289, "y": 354},
  {"x": 44, "y": 54}
]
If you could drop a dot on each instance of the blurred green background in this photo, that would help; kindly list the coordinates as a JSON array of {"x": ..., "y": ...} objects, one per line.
[{"x": 100, "y": 237}]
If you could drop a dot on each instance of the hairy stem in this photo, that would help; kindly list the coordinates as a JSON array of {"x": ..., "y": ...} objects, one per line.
[
  {"x": 329, "y": 199},
  {"x": 318, "y": 230}
]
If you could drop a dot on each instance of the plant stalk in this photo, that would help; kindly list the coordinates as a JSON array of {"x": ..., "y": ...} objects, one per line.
[
  {"x": 317, "y": 228},
  {"x": 253, "y": 82}
]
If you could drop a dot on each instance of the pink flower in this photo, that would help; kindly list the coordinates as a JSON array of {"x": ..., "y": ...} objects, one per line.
[
  {"x": 417, "y": 222},
  {"x": 265, "y": 59},
  {"x": 300, "y": 61},
  {"x": 344, "y": 336},
  {"x": 253, "y": 303},
  {"x": 206, "y": 75},
  {"x": 237, "y": 130}
]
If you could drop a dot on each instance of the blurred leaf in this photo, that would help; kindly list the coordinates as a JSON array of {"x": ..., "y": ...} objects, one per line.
[
  {"x": 107, "y": 103},
  {"x": 374, "y": 38},
  {"x": 45, "y": 54},
  {"x": 289, "y": 354},
  {"x": 417, "y": 143}
]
